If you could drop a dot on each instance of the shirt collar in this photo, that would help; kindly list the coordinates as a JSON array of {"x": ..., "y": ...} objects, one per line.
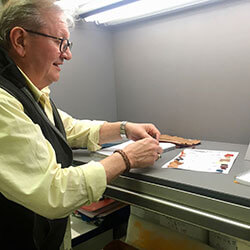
[{"x": 35, "y": 91}]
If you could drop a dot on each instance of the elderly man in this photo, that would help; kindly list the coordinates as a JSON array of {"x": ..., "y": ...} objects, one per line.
[{"x": 39, "y": 187}]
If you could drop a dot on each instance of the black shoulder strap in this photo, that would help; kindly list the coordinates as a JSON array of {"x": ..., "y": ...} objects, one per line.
[{"x": 14, "y": 91}]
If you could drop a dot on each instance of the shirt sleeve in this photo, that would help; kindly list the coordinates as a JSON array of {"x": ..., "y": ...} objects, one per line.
[
  {"x": 29, "y": 173},
  {"x": 81, "y": 133}
]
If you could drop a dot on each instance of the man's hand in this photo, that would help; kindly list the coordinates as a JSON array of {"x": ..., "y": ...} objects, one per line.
[
  {"x": 137, "y": 131},
  {"x": 143, "y": 153}
]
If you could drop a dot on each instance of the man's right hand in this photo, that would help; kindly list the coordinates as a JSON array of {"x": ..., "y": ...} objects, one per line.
[{"x": 143, "y": 153}]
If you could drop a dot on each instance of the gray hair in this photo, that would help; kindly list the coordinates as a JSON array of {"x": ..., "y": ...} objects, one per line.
[{"x": 27, "y": 14}]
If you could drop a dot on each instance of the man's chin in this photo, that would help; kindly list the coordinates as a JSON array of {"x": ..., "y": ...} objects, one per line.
[{"x": 54, "y": 79}]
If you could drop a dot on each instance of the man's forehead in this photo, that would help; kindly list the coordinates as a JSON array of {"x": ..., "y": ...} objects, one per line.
[{"x": 57, "y": 24}]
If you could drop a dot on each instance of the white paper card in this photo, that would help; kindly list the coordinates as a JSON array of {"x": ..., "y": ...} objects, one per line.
[
  {"x": 244, "y": 178},
  {"x": 109, "y": 151}
]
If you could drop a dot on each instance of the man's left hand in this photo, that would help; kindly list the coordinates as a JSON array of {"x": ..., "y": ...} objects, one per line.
[{"x": 137, "y": 131}]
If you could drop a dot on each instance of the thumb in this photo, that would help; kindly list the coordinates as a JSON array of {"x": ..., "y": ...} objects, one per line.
[{"x": 146, "y": 135}]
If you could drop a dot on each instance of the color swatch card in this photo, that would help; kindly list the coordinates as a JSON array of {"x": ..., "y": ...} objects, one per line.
[{"x": 203, "y": 160}]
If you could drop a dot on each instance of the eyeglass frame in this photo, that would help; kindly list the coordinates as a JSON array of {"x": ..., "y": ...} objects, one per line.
[{"x": 68, "y": 45}]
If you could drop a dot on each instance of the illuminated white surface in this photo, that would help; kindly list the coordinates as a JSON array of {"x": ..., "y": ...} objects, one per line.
[{"x": 140, "y": 9}]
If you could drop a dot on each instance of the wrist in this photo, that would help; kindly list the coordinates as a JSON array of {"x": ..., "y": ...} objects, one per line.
[{"x": 125, "y": 159}]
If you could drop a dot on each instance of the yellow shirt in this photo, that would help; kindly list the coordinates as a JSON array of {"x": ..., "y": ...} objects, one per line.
[{"x": 29, "y": 173}]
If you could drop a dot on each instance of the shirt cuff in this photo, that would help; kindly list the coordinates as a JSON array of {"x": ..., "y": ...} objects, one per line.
[
  {"x": 95, "y": 178},
  {"x": 93, "y": 138}
]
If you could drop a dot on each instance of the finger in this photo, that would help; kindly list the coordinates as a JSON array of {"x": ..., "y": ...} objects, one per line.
[
  {"x": 160, "y": 150},
  {"x": 155, "y": 133},
  {"x": 146, "y": 135},
  {"x": 157, "y": 136}
]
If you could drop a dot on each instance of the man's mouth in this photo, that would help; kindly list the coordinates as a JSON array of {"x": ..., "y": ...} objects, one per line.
[{"x": 57, "y": 65}]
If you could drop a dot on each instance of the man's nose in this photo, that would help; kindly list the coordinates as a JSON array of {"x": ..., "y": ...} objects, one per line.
[{"x": 67, "y": 54}]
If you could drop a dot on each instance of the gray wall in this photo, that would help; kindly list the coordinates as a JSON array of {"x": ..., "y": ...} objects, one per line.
[
  {"x": 86, "y": 88},
  {"x": 188, "y": 73}
]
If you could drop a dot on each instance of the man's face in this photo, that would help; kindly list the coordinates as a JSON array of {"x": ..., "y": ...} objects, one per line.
[{"x": 43, "y": 53}]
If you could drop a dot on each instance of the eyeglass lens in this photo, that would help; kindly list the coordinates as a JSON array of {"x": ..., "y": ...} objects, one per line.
[{"x": 65, "y": 43}]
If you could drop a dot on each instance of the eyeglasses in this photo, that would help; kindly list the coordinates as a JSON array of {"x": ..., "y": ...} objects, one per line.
[{"x": 64, "y": 43}]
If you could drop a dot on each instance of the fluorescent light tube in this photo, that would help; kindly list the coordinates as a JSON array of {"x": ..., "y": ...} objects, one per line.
[
  {"x": 141, "y": 9},
  {"x": 94, "y": 5}
]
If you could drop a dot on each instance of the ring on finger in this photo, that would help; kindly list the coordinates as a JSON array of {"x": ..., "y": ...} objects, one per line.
[{"x": 159, "y": 156}]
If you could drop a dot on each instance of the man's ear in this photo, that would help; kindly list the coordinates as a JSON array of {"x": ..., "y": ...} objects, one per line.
[{"x": 18, "y": 40}]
